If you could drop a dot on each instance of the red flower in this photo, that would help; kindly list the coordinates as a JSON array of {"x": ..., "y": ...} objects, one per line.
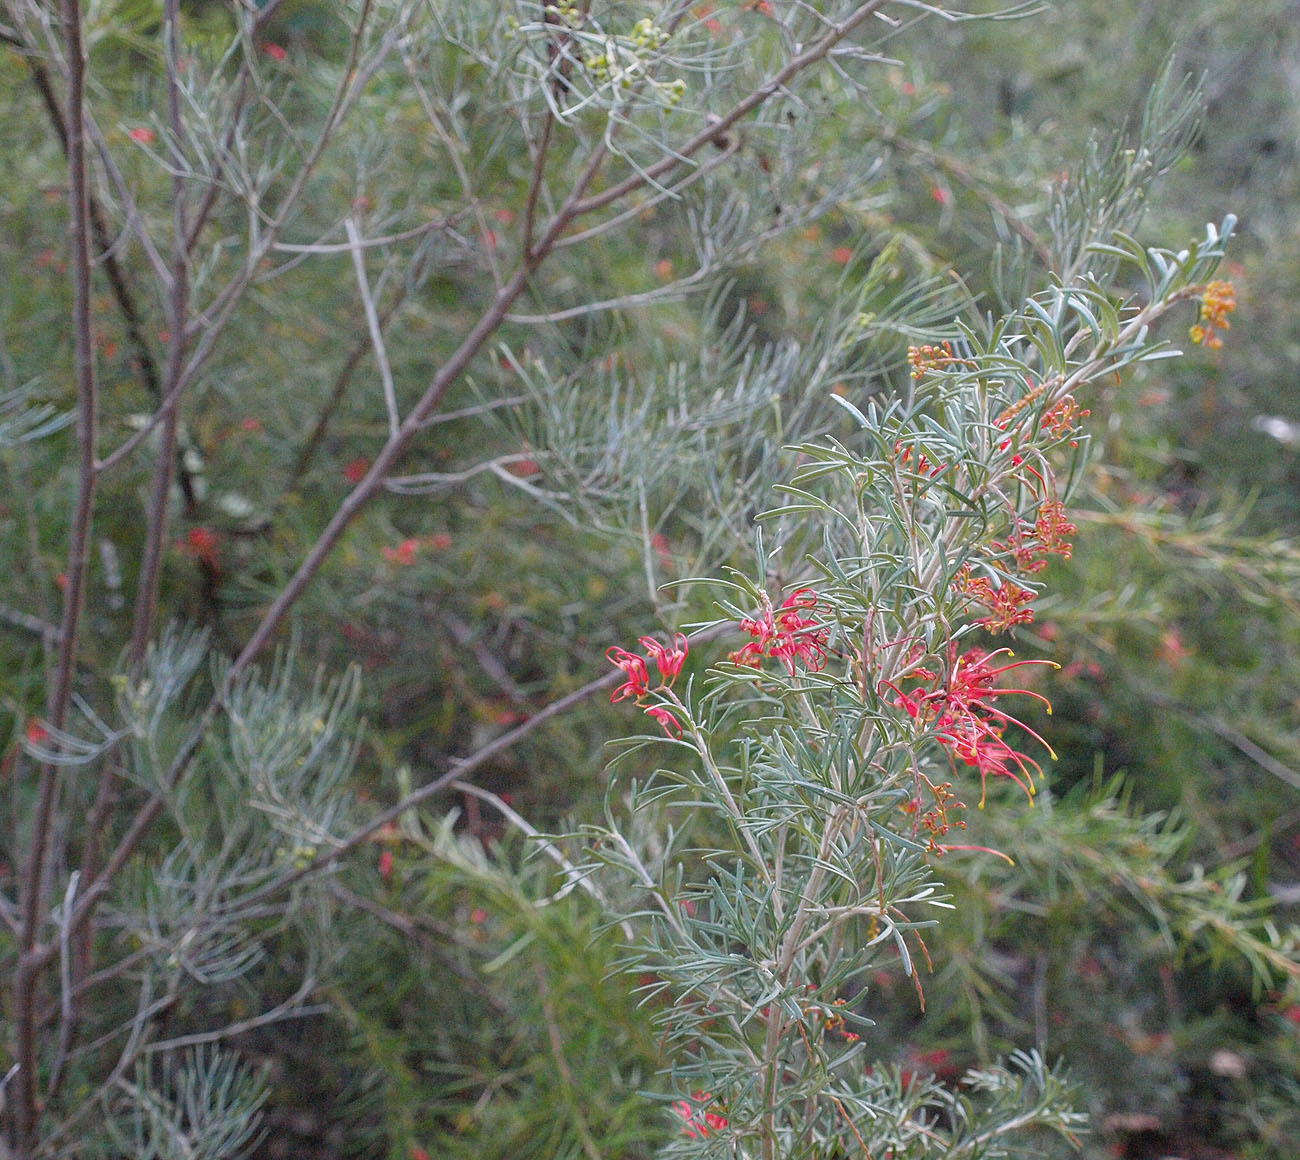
[
  {"x": 274, "y": 51},
  {"x": 355, "y": 470},
  {"x": 201, "y": 543},
  {"x": 143, "y": 136},
  {"x": 524, "y": 467},
  {"x": 1051, "y": 528},
  {"x": 696, "y": 1122},
  {"x": 1008, "y": 604},
  {"x": 751, "y": 656},
  {"x": 786, "y": 633},
  {"x": 404, "y": 554},
  {"x": 665, "y": 718},
  {"x": 970, "y": 725},
  {"x": 669, "y": 661},
  {"x": 638, "y": 679}
]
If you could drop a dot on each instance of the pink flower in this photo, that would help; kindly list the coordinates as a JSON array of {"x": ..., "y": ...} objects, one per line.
[
  {"x": 638, "y": 679},
  {"x": 668, "y": 660},
  {"x": 274, "y": 51},
  {"x": 404, "y": 554},
  {"x": 665, "y": 718},
  {"x": 970, "y": 725},
  {"x": 143, "y": 136},
  {"x": 696, "y": 1122},
  {"x": 786, "y": 633},
  {"x": 355, "y": 470}
]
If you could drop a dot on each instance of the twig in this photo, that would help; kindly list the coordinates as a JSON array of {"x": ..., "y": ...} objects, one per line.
[
  {"x": 351, "y": 246},
  {"x": 674, "y": 292},
  {"x": 556, "y": 1041},
  {"x": 156, "y": 525},
  {"x": 414, "y": 929},
  {"x": 34, "y": 624},
  {"x": 67, "y": 997},
  {"x": 287, "y": 1009},
  {"x": 319, "y": 429},
  {"x": 376, "y": 330},
  {"x": 210, "y": 327}
]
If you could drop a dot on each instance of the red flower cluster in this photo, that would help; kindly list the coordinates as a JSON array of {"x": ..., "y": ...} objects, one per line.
[
  {"x": 404, "y": 554},
  {"x": 697, "y": 1123},
  {"x": 1028, "y": 545},
  {"x": 785, "y": 633},
  {"x": 203, "y": 544},
  {"x": 923, "y": 465},
  {"x": 932, "y": 358},
  {"x": 667, "y": 660},
  {"x": 1008, "y": 603},
  {"x": 969, "y": 724}
]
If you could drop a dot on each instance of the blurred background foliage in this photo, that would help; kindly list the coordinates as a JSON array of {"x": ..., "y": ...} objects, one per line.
[{"x": 456, "y": 1015}]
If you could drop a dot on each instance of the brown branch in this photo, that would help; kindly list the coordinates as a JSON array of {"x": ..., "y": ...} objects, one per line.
[
  {"x": 156, "y": 525},
  {"x": 132, "y": 321},
  {"x": 32, "y": 890}
]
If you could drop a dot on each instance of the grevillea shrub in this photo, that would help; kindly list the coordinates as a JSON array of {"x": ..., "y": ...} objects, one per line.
[
  {"x": 419, "y": 342},
  {"x": 821, "y": 772}
]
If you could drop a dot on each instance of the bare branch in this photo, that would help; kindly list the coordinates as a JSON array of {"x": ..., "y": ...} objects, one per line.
[
  {"x": 32, "y": 902},
  {"x": 376, "y": 330}
]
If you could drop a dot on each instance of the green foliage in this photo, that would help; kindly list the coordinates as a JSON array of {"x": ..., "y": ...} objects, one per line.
[{"x": 453, "y": 419}]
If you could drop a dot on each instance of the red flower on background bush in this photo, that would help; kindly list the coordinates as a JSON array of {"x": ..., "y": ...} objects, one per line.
[
  {"x": 404, "y": 554},
  {"x": 202, "y": 544}
]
